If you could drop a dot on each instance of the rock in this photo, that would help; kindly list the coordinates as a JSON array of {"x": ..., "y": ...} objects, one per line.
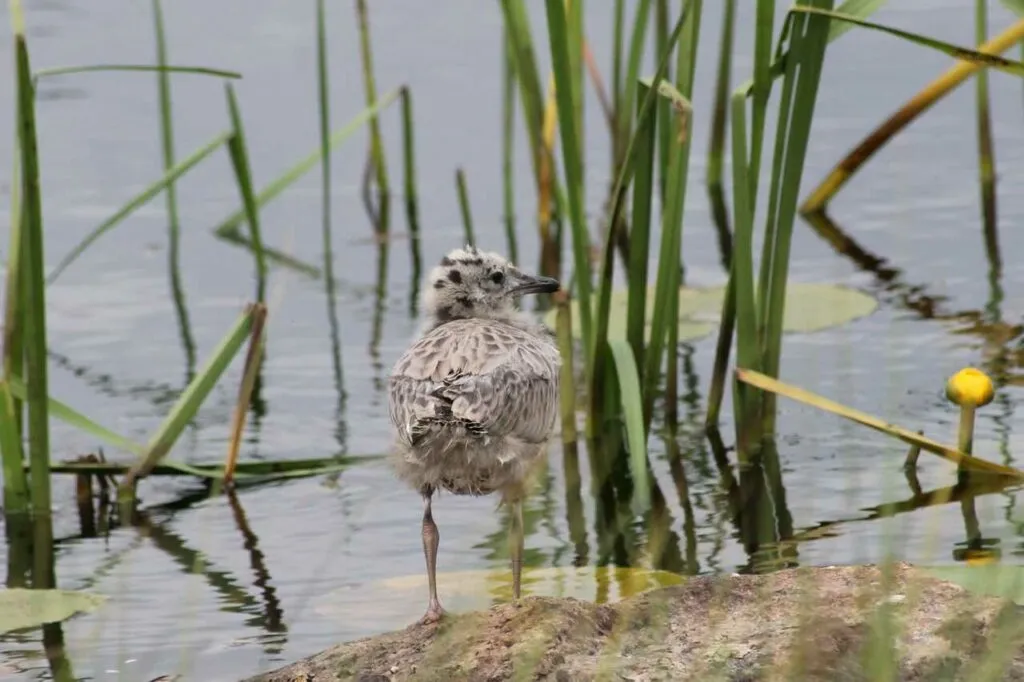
[{"x": 826, "y": 623}]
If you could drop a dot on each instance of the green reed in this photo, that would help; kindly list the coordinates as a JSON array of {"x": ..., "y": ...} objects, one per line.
[
  {"x": 508, "y": 117},
  {"x": 243, "y": 177},
  {"x": 170, "y": 193},
  {"x": 469, "y": 234},
  {"x": 370, "y": 87},
  {"x": 986, "y": 150},
  {"x": 32, "y": 280},
  {"x": 25, "y": 341}
]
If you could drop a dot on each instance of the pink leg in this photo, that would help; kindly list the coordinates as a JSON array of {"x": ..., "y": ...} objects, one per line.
[{"x": 431, "y": 539}]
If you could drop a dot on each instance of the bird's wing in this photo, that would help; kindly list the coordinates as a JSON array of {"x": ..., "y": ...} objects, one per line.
[{"x": 496, "y": 379}]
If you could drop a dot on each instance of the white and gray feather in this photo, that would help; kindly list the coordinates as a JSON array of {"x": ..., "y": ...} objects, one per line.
[{"x": 475, "y": 399}]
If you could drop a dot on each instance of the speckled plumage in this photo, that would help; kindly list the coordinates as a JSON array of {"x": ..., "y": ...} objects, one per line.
[{"x": 473, "y": 401}]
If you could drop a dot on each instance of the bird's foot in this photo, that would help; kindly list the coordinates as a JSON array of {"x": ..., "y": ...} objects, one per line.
[{"x": 434, "y": 614}]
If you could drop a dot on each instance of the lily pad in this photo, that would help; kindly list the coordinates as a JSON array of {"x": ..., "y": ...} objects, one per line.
[
  {"x": 388, "y": 603},
  {"x": 810, "y": 307},
  {"x": 992, "y": 579},
  {"x": 22, "y": 608}
]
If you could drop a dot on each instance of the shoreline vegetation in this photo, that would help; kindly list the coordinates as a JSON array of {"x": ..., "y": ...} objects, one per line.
[{"x": 619, "y": 335}]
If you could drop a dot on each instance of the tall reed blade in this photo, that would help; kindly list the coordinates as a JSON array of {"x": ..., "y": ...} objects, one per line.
[
  {"x": 986, "y": 152},
  {"x": 16, "y": 497},
  {"x": 286, "y": 179},
  {"x": 16, "y": 493},
  {"x": 564, "y": 90},
  {"x": 640, "y": 227},
  {"x": 370, "y": 86},
  {"x": 190, "y": 401},
  {"x": 243, "y": 176},
  {"x": 464, "y": 210},
  {"x": 324, "y": 120},
  {"x": 33, "y": 283},
  {"x": 719, "y": 123},
  {"x": 808, "y": 40},
  {"x": 412, "y": 215},
  {"x": 665, "y": 317},
  {"x": 508, "y": 123},
  {"x": 173, "y": 223}
]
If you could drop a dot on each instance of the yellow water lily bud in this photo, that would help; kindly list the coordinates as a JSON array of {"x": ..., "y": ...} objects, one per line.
[{"x": 970, "y": 387}]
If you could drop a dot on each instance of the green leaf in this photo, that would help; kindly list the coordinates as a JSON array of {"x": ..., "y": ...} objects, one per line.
[
  {"x": 23, "y": 608},
  {"x": 955, "y": 51},
  {"x": 193, "y": 70},
  {"x": 191, "y": 399},
  {"x": 810, "y": 307},
  {"x": 1016, "y": 6},
  {"x": 633, "y": 415},
  {"x": 286, "y": 179},
  {"x": 860, "y": 9},
  {"x": 138, "y": 200},
  {"x": 78, "y": 420},
  {"x": 996, "y": 580}
]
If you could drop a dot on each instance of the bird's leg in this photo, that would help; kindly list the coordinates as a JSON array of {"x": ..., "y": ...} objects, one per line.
[
  {"x": 515, "y": 547},
  {"x": 431, "y": 539}
]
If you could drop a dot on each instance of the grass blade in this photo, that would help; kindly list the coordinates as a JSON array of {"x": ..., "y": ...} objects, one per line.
[
  {"x": 191, "y": 399},
  {"x": 76, "y": 419},
  {"x": 412, "y": 214},
  {"x": 16, "y": 486},
  {"x": 33, "y": 281},
  {"x": 16, "y": 496},
  {"x": 633, "y": 416},
  {"x": 957, "y": 52},
  {"x": 467, "y": 216},
  {"x": 719, "y": 123},
  {"x": 160, "y": 68},
  {"x": 370, "y": 86},
  {"x": 173, "y": 223},
  {"x": 243, "y": 175},
  {"x": 919, "y": 103},
  {"x": 853, "y": 8},
  {"x": 303, "y": 166},
  {"x": 808, "y": 42},
  {"x": 665, "y": 317},
  {"x": 986, "y": 151},
  {"x": 508, "y": 118},
  {"x": 640, "y": 226},
  {"x": 564, "y": 92},
  {"x": 767, "y": 383},
  {"x": 139, "y": 200}
]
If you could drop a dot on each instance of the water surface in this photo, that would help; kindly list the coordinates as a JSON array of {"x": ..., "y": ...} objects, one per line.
[{"x": 216, "y": 591}]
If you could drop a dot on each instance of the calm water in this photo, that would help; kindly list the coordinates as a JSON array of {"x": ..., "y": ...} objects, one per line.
[{"x": 216, "y": 591}]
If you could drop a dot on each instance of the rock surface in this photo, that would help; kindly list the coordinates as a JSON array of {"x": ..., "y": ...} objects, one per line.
[{"x": 828, "y": 623}]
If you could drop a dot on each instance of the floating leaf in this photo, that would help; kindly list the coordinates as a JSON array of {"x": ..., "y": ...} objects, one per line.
[
  {"x": 810, "y": 307},
  {"x": 22, "y": 608},
  {"x": 996, "y": 580}
]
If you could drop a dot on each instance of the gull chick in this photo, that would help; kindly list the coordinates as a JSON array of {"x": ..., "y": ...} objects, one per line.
[{"x": 473, "y": 401}]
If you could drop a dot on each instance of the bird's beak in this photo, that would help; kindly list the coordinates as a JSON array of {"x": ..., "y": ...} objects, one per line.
[{"x": 530, "y": 284}]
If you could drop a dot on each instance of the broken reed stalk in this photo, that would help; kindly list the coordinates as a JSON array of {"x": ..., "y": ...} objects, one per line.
[
  {"x": 253, "y": 358},
  {"x": 904, "y": 116}
]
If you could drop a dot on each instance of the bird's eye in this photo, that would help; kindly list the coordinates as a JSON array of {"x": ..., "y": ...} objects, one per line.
[{"x": 498, "y": 277}]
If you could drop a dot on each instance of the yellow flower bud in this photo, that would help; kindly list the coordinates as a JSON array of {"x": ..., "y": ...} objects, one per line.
[{"x": 970, "y": 387}]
